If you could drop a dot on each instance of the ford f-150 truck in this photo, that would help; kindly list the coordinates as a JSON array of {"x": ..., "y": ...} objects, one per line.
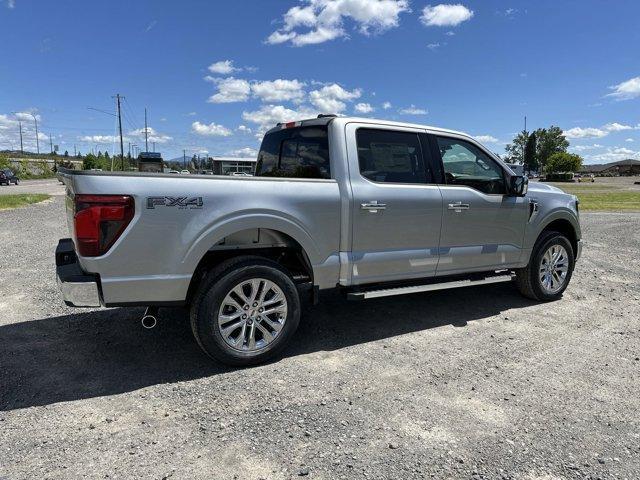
[{"x": 372, "y": 207}]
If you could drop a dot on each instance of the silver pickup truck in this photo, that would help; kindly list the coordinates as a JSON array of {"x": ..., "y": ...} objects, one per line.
[{"x": 372, "y": 207}]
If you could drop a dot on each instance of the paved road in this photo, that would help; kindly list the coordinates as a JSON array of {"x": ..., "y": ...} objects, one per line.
[
  {"x": 465, "y": 384},
  {"x": 50, "y": 186}
]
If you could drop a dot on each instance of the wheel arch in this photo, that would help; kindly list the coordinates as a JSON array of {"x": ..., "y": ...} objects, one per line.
[
  {"x": 271, "y": 243},
  {"x": 565, "y": 227}
]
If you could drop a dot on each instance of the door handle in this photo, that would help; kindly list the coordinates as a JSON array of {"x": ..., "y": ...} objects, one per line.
[
  {"x": 373, "y": 206},
  {"x": 458, "y": 206}
]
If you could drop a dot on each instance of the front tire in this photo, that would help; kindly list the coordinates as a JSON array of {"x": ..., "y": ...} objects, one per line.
[
  {"x": 245, "y": 311},
  {"x": 550, "y": 268}
]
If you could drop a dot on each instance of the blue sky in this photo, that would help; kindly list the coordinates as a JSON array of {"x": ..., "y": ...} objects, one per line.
[{"x": 216, "y": 74}]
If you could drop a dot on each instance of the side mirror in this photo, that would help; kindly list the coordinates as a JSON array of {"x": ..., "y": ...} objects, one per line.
[{"x": 518, "y": 185}]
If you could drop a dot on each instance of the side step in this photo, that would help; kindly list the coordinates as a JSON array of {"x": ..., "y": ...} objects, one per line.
[{"x": 388, "y": 292}]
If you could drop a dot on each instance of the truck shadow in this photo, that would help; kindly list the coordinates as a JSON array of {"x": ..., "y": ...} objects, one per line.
[{"x": 106, "y": 352}]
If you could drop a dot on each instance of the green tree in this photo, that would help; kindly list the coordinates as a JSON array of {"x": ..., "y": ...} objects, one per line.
[
  {"x": 549, "y": 141},
  {"x": 66, "y": 153},
  {"x": 90, "y": 161},
  {"x": 563, "y": 162},
  {"x": 530, "y": 155},
  {"x": 516, "y": 147}
]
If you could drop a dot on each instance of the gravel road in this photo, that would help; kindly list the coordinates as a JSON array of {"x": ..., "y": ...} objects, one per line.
[
  {"x": 470, "y": 383},
  {"x": 50, "y": 186}
]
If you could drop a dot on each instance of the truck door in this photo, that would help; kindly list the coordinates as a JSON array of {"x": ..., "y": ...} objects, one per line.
[
  {"x": 482, "y": 227},
  {"x": 396, "y": 209}
]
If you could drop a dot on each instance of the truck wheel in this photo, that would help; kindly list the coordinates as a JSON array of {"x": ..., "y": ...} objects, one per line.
[
  {"x": 550, "y": 268},
  {"x": 245, "y": 311}
]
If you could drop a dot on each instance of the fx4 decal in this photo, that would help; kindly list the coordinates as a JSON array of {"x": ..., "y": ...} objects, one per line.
[{"x": 180, "y": 202}]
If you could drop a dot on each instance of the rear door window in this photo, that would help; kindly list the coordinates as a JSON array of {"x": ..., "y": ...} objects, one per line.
[{"x": 388, "y": 156}]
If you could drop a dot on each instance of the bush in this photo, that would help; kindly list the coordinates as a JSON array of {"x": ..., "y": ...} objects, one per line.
[
  {"x": 559, "y": 177},
  {"x": 563, "y": 162}
]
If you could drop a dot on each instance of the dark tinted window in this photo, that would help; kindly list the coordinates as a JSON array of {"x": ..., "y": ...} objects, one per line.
[
  {"x": 391, "y": 157},
  {"x": 466, "y": 164},
  {"x": 295, "y": 152}
]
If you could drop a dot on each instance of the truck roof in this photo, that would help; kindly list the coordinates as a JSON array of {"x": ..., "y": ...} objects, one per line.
[{"x": 325, "y": 119}]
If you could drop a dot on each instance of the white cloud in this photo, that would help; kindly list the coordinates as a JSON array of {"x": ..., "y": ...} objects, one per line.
[
  {"x": 191, "y": 114},
  {"x": 616, "y": 127},
  {"x": 593, "y": 132},
  {"x": 629, "y": 140},
  {"x": 626, "y": 90},
  {"x": 433, "y": 46},
  {"x": 450, "y": 33},
  {"x": 223, "y": 67},
  {"x": 445, "y": 15},
  {"x": 245, "y": 152},
  {"x": 101, "y": 139},
  {"x": 279, "y": 90},
  {"x": 413, "y": 110},
  {"x": 318, "y": 21},
  {"x": 331, "y": 98},
  {"x": 11, "y": 4},
  {"x": 267, "y": 116},
  {"x": 386, "y": 105},
  {"x": 243, "y": 129},
  {"x": 153, "y": 135},
  {"x": 230, "y": 90},
  {"x": 363, "y": 108},
  {"x": 613, "y": 154},
  {"x": 585, "y": 148},
  {"x": 152, "y": 24},
  {"x": 210, "y": 130},
  {"x": 26, "y": 116},
  {"x": 486, "y": 139}
]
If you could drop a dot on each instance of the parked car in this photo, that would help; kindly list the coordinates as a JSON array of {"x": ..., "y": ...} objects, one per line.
[
  {"x": 173, "y": 171},
  {"x": 8, "y": 177},
  {"x": 370, "y": 207},
  {"x": 240, "y": 174},
  {"x": 590, "y": 177},
  {"x": 185, "y": 172}
]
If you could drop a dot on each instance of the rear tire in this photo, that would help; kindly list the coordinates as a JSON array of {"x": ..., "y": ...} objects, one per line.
[
  {"x": 245, "y": 311},
  {"x": 550, "y": 268}
]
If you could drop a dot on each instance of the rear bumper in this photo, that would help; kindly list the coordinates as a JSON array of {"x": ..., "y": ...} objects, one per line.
[{"x": 79, "y": 289}]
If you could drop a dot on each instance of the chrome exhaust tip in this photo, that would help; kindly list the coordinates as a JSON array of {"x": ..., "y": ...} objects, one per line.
[
  {"x": 149, "y": 319},
  {"x": 149, "y": 322}
]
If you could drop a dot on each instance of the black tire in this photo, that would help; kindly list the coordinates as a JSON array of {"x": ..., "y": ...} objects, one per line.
[
  {"x": 212, "y": 291},
  {"x": 528, "y": 278}
]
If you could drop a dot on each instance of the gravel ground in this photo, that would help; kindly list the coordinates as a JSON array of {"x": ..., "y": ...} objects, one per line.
[
  {"x": 470, "y": 383},
  {"x": 50, "y": 186}
]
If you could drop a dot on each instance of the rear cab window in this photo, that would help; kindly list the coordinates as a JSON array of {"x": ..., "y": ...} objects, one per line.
[{"x": 300, "y": 152}]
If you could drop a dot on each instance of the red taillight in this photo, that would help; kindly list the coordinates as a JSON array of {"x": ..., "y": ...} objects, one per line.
[{"x": 99, "y": 220}]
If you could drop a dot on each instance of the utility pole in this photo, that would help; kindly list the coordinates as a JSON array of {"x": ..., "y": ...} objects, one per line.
[
  {"x": 146, "y": 132},
  {"x": 184, "y": 159},
  {"x": 154, "y": 147},
  {"x": 118, "y": 97},
  {"x": 75, "y": 152},
  {"x": 20, "y": 125},
  {"x": 525, "y": 138},
  {"x": 35, "y": 119},
  {"x": 50, "y": 144}
]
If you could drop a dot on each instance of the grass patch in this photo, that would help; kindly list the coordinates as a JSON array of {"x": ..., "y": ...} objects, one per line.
[
  {"x": 604, "y": 198},
  {"x": 14, "y": 201}
]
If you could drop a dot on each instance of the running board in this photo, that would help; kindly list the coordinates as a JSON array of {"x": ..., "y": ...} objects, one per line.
[{"x": 388, "y": 292}]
